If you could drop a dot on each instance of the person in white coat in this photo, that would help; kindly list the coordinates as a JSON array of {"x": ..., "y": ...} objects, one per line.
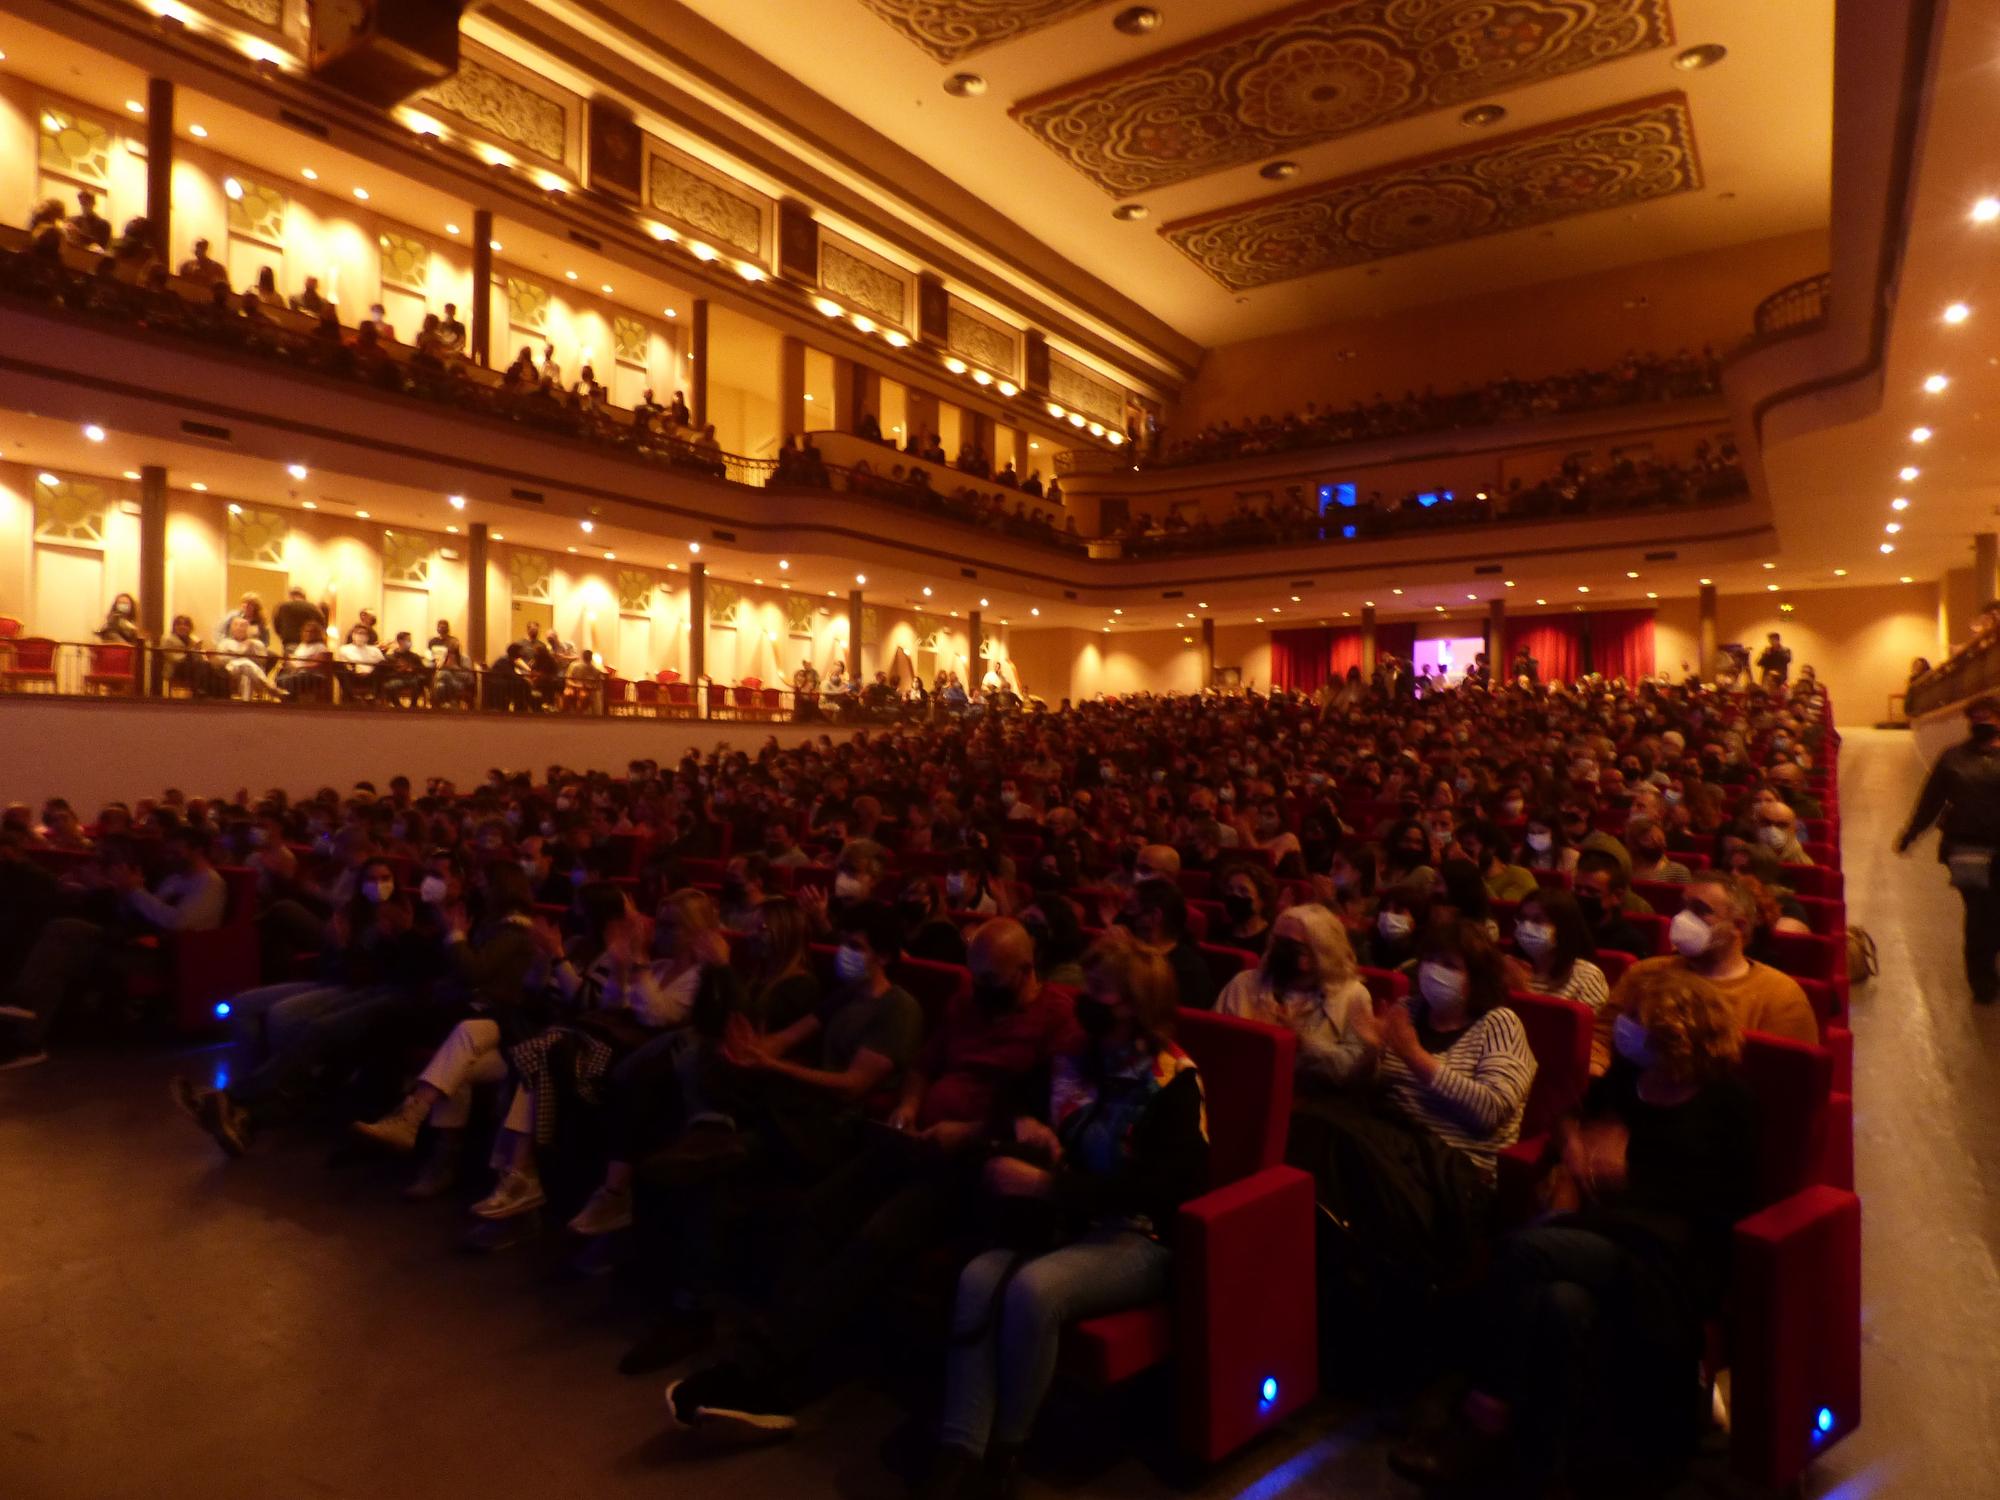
[{"x": 1308, "y": 985}]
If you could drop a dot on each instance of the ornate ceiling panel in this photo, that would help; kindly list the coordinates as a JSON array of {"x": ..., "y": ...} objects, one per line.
[
  {"x": 1630, "y": 154},
  {"x": 1318, "y": 71},
  {"x": 951, "y": 29}
]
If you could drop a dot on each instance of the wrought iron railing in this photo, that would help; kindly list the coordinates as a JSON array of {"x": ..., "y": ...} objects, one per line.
[
  {"x": 1974, "y": 670},
  {"x": 1792, "y": 308}
]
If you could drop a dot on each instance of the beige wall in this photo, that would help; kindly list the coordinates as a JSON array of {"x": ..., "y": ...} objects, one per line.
[
  {"x": 1690, "y": 300},
  {"x": 1859, "y": 640},
  {"x": 1080, "y": 664}
]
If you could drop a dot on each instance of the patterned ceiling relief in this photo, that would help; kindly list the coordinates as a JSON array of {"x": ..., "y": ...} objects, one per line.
[
  {"x": 980, "y": 342},
  {"x": 951, "y": 29},
  {"x": 505, "y": 107},
  {"x": 705, "y": 205},
  {"x": 1078, "y": 389},
  {"x": 1611, "y": 159},
  {"x": 1319, "y": 71},
  {"x": 863, "y": 284}
]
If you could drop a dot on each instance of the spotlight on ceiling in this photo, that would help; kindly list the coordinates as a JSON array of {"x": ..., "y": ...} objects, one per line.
[{"x": 965, "y": 85}]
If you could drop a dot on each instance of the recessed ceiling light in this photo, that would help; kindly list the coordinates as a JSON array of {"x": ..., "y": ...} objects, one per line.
[
  {"x": 199, "y": 132},
  {"x": 451, "y": 229},
  {"x": 1483, "y": 114},
  {"x": 860, "y": 578},
  {"x": 955, "y": 365},
  {"x": 199, "y": 487},
  {"x": 310, "y": 504},
  {"x": 1471, "y": 596},
  {"x": 235, "y": 509},
  {"x": 784, "y": 566},
  {"x": 1935, "y": 383},
  {"x": 965, "y": 85},
  {"x": 456, "y": 502},
  {"x": 131, "y": 473},
  {"x": 611, "y": 557},
  {"x": 1705, "y": 56},
  {"x": 1958, "y": 312},
  {"x": 1920, "y": 434},
  {"x": 1136, "y": 20},
  {"x": 1901, "y": 502},
  {"x": 1770, "y": 588},
  {"x": 297, "y": 471},
  {"x": 569, "y": 275},
  {"x": 1908, "y": 579},
  {"x": 1395, "y": 591},
  {"x": 1893, "y": 527},
  {"x": 1583, "y": 588},
  {"x": 672, "y": 314},
  {"x": 588, "y": 526},
  {"x": 572, "y": 549},
  {"x": 982, "y": 604},
  {"x": 1541, "y": 601},
  {"x": 1770, "y": 567},
  {"x": 1509, "y": 583},
  {"x": 1886, "y": 548},
  {"x": 1908, "y": 472},
  {"x": 1034, "y": 609},
  {"x": 749, "y": 272},
  {"x": 93, "y": 432},
  {"x": 452, "y": 529},
  {"x": 1986, "y": 210},
  {"x": 1651, "y": 595},
  {"x": 1840, "y": 572},
  {"x": 1278, "y": 171},
  {"x": 1129, "y": 212},
  {"x": 1631, "y": 575},
  {"x": 361, "y": 515},
  {"x": 361, "y": 193},
  {"x": 1704, "y": 581},
  {"x": 694, "y": 549},
  {"x": 927, "y": 591},
  {"x": 494, "y": 246},
  {"x": 309, "y": 174},
  {"x": 135, "y": 106}
]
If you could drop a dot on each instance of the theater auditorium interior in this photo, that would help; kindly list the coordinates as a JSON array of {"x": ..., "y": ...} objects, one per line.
[{"x": 987, "y": 748}]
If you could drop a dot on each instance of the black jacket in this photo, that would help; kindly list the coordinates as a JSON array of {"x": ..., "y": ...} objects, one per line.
[{"x": 1962, "y": 796}]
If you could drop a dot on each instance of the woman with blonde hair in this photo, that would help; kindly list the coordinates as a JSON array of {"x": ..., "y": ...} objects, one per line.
[
  {"x": 1615, "y": 1293},
  {"x": 1308, "y": 985}
]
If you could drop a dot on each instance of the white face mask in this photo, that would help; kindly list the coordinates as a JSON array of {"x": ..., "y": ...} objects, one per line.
[
  {"x": 1535, "y": 938},
  {"x": 1541, "y": 843},
  {"x": 432, "y": 890},
  {"x": 1633, "y": 1042},
  {"x": 1396, "y": 926},
  {"x": 1690, "y": 935},
  {"x": 1771, "y": 836},
  {"x": 847, "y": 887},
  {"x": 1443, "y": 990},
  {"x": 850, "y": 964}
]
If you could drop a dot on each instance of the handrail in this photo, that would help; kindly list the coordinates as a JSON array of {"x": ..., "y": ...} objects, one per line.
[
  {"x": 1791, "y": 309},
  {"x": 1973, "y": 670}
]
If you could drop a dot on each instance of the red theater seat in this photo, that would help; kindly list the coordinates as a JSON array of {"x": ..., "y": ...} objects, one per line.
[{"x": 1242, "y": 1321}]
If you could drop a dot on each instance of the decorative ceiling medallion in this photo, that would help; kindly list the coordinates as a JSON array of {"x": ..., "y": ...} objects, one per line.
[
  {"x": 1319, "y": 71},
  {"x": 951, "y": 29},
  {"x": 1613, "y": 158}
]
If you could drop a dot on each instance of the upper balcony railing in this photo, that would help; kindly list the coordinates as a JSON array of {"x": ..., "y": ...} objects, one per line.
[
  {"x": 1973, "y": 670},
  {"x": 1795, "y": 308},
  {"x": 143, "y": 298}
]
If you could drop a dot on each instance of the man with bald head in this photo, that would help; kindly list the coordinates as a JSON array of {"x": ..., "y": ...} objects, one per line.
[{"x": 987, "y": 1062}]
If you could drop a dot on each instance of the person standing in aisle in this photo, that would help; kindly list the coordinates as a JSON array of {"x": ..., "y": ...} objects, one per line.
[{"x": 1962, "y": 796}]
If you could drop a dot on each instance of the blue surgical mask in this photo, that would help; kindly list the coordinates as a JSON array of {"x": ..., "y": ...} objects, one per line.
[
  {"x": 851, "y": 964},
  {"x": 1633, "y": 1042}
]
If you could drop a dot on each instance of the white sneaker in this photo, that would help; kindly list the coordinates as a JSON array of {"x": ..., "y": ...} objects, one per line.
[
  {"x": 609, "y": 1210},
  {"x": 517, "y": 1193},
  {"x": 397, "y": 1130}
]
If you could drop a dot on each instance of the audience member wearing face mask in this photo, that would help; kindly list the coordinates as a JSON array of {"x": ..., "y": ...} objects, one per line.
[
  {"x": 1658, "y": 1165},
  {"x": 1557, "y": 954},
  {"x": 1709, "y": 934},
  {"x": 1307, "y": 984}
]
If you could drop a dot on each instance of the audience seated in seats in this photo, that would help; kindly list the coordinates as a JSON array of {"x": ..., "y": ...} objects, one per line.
[
  {"x": 1596, "y": 1314},
  {"x": 1709, "y": 933}
]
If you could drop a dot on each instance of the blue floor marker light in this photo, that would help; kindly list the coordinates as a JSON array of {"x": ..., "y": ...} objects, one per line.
[
  {"x": 1824, "y": 1421},
  {"x": 1269, "y": 1390},
  {"x": 222, "y": 1010}
]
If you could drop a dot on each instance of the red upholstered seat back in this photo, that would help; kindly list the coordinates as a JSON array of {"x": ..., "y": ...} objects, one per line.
[
  {"x": 1246, "y": 1073},
  {"x": 1384, "y": 985},
  {"x": 1613, "y": 963},
  {"x": 1224, "y": 964},
  {"x": 111, "y": 661},
  {"x": 1559, "y": 1036},
  {"x": 1807, "y": 954},
  {"x": 1791, "y": 1082},
  {"x": 936, "y": 987}
]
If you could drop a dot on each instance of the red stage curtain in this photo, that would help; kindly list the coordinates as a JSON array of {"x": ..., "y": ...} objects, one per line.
[
  {"x": 1555, "y": 641},
  {"x": 1302, "y": 660},
  {"x": 1621, "y": 643}
]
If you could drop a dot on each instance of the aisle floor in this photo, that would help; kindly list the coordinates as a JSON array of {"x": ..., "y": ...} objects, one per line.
[{"x": 173, "y": 1325}]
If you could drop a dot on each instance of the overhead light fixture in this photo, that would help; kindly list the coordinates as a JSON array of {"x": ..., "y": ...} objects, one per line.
[
  {"x": 235, "y": 509},
  {"x": 1958, "y": 312},
  {"x": 1935, "y": 383},
  {"x": 232, "y": 190},
  {"x": 1128, "y": 213},
  {"x": 1278, "y": 171},
  {"x": 1008, "y": 388},
  {"x": 451, "y": 229},
  {"x": 1630, "y": 574},
  {"x": 1920, "y": 434},
  {"x": 297, "y": 471},
  {"x": 310, "y": 504},
  {"x": 1840, "y": 572},
  {"x": 982, "y": 604},
  {"x": 1886, "y": 548},
  {"x": 1704, "y": 582},
  {"x": 1483, "y": 114},
  {"x": 569, "y": 276},
  {"x": 361, "y": 193},
  {"x": 1696, "y": 58},
  {"x": 588, "y": 526},
  {"x": 1395, "y": 591},
  {"x": 694, "y": 549},
  {"x": 93, "y": 432},
  {"x": 897, "y": 339},
  {"x": 1908, "y": 472},
  {"x": 672, "y": 314},
  {"x": 830, "y": 308},
  {"x": 198, "y": 487},
  {"x": 1541, "y": 601},
  {"x": 965, "y": 85},
  {"x": 1056, "y": 411},
  {"x": 309, "y": 174},
  {"x": 660, "y": 232},
  {"x": 1583, "y": 588},
  {"x": 784, "y": 566},
  {"x": 1908, "y": 579},
  {"x": 1651, "y": 595},
  {"x": 749, "y": 272},
  {"x": 494, "y": 246},
  {"x": 1034, "y": 609},
  {"x": 702, "y": 252},
  {"x": 456, "y": 502},
  {"x": 955, "y": 365},
  {"x": 860, "y": 578},
  {"x": 452, "y": 530},
  {"x": 605, "y": 288},
  {"x": 135, "y": 107},
  {"x": 927, "y": 591},
  {"x": 1986, "y": 210},
  {"x": 1901, "y": 502},
  {"x": 980, "y": 377},
  {"x": 199, "y": 132},
  {"x": 131, "y": 473},
  {"x": 572, "y": 549},
  {"x": 361, "y": 515},
  {"x": 1893, "y": 527},
  {"x": 1770, "y": 567}
]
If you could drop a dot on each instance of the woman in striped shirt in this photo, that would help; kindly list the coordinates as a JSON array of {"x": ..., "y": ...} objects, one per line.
[
  {"x": 1453, "y": 1059},
  {"x": 1556, "y": 951}
]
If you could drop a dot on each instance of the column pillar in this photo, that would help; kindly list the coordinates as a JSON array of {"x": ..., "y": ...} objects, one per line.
[
  {"x": 791, "y": 386},
  {"x": 698, "y": 633},
  {"x": 1706, "y": 639},
  {"x": 152, "y": 562},
  {"x": 698, "y": 355},
  {"x": 1985, "y": 568},
  {"x": 160, "y": 165},
  {"x": 482, "y": 286},
  {"x": 1496, "y": 640},
  {"x": 975, "y": 640},
  {"x": 854, "y": 636},
  {"x": 1207, "y": 652},
  {"x": 475, "y": 595},
  {"x": 1367, "y": 640}
]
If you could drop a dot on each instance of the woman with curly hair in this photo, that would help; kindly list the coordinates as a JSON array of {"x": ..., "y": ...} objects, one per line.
[{"x": 1612, "y": 1295}]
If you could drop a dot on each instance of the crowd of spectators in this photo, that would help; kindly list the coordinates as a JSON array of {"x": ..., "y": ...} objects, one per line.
[
  {"x": 1637, "y": 379},
  {"x": 629, "y": 965}
]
